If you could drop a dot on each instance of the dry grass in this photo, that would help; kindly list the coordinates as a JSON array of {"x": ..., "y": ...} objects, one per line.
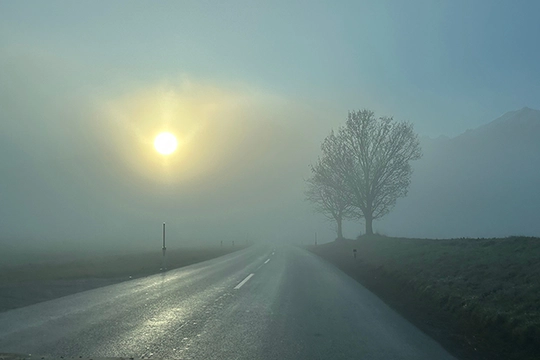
[
  {"x": 135, "y": 265},
  {"x": 22, "y": 285}
]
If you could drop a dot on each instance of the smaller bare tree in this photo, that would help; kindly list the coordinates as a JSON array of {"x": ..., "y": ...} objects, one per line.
[{"x": 326, "y": 190}]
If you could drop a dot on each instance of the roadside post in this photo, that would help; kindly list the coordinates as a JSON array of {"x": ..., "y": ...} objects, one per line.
[{"x": 164, "y": 249}]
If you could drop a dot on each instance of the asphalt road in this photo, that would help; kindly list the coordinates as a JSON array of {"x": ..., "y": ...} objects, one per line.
[{"x": 258, "y": 303}]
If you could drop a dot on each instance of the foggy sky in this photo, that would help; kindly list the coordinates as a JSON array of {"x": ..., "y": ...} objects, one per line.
[{"x": 249, "y": 89}]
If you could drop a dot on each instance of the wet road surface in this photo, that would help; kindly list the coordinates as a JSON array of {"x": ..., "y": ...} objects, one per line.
[{"x": 258, "y": 303}]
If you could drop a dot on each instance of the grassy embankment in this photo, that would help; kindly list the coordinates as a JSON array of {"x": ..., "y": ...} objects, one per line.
[
  {"x": 22, "y": 285},
  {"x": 480, "y": 298}
]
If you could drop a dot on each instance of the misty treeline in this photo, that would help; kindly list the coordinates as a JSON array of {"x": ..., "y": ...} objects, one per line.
[{"x": 364, "y": 167}]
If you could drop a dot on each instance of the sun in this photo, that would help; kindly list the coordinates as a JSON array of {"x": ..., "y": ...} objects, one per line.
[{"x": 165, "y": 143}]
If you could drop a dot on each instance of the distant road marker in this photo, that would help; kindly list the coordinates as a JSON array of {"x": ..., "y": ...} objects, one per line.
[
  {"x": 243, "y": 282},
  {"x": 266, "y": 262}
]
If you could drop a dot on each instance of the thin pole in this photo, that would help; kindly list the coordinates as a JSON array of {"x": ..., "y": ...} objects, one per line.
[{"x": 164, "y": 264}]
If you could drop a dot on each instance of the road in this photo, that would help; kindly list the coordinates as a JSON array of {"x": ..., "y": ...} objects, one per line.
[{"x": 258, "y": 303}]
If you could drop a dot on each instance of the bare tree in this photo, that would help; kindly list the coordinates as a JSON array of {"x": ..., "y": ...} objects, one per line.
[
  {"x": 324, "y": 188},
  {"x": 329, "y": 202},
  {"x": 369, "y": 161}
]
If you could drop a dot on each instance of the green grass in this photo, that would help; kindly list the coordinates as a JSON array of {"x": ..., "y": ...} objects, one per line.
[{"x": 487, "y": 290}]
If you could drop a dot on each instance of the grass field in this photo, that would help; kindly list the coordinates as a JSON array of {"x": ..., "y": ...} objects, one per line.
[
  {"x": 479, "y": 297},
  {"x": 22, "y": 285}
]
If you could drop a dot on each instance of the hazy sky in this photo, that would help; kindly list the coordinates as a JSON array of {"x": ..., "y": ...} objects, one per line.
[
  {"x": 446, "y": 65},
  {"x": 250, "y": 88}
]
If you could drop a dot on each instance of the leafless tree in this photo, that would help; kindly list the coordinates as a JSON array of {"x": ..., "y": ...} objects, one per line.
[
  {"x": 329, "y": 202},
  {"x": 325, "y": 190},
  {"x": 368, "y": 161}
]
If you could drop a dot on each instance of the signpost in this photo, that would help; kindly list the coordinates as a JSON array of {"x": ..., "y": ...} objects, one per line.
[{"x": 164, "y": 260}]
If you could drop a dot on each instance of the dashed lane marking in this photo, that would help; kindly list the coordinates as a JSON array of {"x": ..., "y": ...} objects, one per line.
[{"x": 243, "y": 282}]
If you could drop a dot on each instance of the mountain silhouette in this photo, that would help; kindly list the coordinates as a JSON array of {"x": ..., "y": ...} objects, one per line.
[{"x": 482, "y": 183}]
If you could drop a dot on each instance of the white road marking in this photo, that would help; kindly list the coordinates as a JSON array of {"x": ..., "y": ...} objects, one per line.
[
  {"x": 266, "y": 262},
  {"x": 243, "y": 282}
]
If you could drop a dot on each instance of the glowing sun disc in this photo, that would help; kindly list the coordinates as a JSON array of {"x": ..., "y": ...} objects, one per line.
[{"x": 165, "y": 143}]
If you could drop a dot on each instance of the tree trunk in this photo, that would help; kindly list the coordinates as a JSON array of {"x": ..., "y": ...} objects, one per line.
[
  {"x": 339, "y": 228},
  {"x": 369, "y": 225}
]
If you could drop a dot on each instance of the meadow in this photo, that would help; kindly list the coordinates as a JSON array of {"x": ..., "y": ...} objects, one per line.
[
  {"x": 41, "y": 280},
  {"x": 478, "y": 297}
]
